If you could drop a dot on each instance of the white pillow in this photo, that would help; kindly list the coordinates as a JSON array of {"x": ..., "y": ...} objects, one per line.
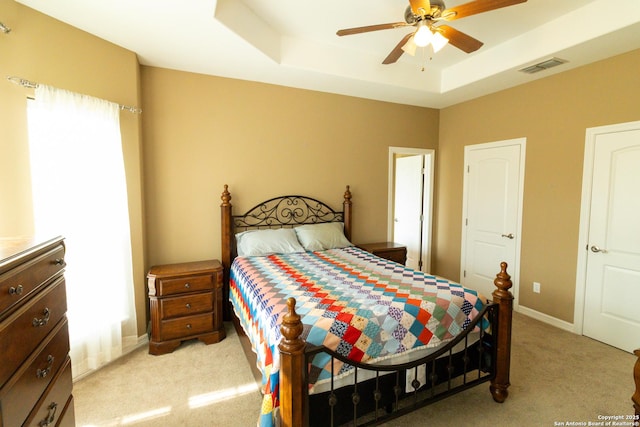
[
  {"x": 267, "y": 242},
  {"x": 319, "y": 237}
]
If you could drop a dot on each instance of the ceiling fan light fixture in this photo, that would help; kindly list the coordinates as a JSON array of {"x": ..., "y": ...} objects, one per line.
[
  {"x": 410, "y": 47},
  {"x": 423, "y": 35},
  {"x": 438, "y": 41}
]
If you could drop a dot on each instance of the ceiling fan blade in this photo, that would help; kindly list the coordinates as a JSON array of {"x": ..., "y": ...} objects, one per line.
[
  {"x": 475, "y": 7},
  {"x": 459, "y": 39},
  {"x": 368, "y": 28},
  {"x": 397, "y": 51},
  {"x": 416, "y": 5}
]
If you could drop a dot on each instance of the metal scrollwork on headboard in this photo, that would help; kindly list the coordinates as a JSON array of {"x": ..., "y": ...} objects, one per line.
[{"x": 287, "y": 211}]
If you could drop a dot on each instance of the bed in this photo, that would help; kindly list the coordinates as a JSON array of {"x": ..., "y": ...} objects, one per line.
[{"x": 341, "y": 336}]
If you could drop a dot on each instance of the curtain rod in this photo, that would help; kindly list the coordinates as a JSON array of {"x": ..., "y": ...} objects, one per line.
[{"x": 26, "y": 83}]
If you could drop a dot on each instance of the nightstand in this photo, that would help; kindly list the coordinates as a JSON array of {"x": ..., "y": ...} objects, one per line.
[
  {"x": 388, "y": 250},
  {"x": 185, "y": 302}
]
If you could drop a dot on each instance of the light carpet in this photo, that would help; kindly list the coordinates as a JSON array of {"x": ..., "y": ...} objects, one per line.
[{"x": 557, "y": 378}]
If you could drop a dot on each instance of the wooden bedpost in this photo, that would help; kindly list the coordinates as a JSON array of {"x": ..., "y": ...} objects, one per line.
[
  {"x": 636, "y": 376},
  {"x": 503, "y": 297},
  {"x": 226, "y": 236},
  {"x": 293, "y": 373},
  {"x": 347, "y": 213}
]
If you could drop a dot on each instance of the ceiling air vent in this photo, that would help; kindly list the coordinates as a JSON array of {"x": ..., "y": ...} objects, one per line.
[{"x": 541, "y": 66}]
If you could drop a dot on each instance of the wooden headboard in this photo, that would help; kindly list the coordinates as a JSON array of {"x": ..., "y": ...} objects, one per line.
[{"x": 277, "y": 212}]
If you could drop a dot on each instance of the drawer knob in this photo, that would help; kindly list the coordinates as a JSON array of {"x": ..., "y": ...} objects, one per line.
[
  {"x": 42, "y": 373},
  {"x": 51, "y": 415},
  {"x": 44, "y": 320},
  {"x": 15, "y": 290},
  {"x": 188, "y": 305},
  {"x": 188, "y": 325},
  {"x": 59, "y": 261},
  {"x": 187, "y": 285}
]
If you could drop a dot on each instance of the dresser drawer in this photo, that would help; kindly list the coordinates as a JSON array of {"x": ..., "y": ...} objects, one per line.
[
  {"x": 21, "y": 332},
  {"x": 20, "y": 281},
  {"x": 185, "y": 284},
  {"x": 183, "y": 327},
  {"x": 186, "y": 305},
  {"x": 52, "y": 405},
  {"x": 30, "y": 381},
  {"x": 68, "y": 416}
]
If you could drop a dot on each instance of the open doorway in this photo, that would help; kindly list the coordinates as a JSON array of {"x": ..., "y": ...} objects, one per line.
[{"x": 410, "y": 203}]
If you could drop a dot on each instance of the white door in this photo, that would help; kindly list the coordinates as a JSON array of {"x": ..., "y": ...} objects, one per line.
[
  {"x": 492, "y": 206},
  {"x": 408, "y": 192},
  {"x": 612, "y": 286}
]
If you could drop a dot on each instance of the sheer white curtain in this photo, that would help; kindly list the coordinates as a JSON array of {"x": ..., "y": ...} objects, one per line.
[{"x": 79, "y": 192}]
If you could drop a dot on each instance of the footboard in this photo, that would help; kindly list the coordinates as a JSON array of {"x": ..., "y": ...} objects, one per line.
[
  {"x": 490, "y": 358},
  {"x": 636, "y": 376}
]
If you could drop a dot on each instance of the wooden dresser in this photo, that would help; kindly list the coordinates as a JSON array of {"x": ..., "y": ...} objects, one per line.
[
  {"x": 387, "y": 250},
  {"x": 185, "y": 302},
  {"x": 35, "y": 372}
]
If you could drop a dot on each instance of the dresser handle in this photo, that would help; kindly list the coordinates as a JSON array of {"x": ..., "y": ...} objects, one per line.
[
  {"x": 15, "y": 291},
  {"x": 187, "y": 285},
  {"x": 59, "y": 261},
  {"x": 42, "y": 373},
  {"x": 51, "y": 415},
  {"x": 188, "y": 325},
  {"x": 188, "y": 305},
  {"x": 41, "y": 322}
]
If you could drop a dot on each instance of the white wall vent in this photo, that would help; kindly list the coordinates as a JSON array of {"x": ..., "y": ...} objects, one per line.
[{"x": 544, "y": 65}]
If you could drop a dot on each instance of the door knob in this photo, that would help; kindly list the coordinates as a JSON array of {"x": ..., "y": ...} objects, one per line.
[
  {"x": 508, "y": 236},
  {"x": 596, "y": 249}
]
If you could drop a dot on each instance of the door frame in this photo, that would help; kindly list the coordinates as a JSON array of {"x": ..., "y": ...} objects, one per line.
[
  {"x": 585, "y": 214},
  {"x": 430, "y": 155},
  {"x": 514, "y": 271}
]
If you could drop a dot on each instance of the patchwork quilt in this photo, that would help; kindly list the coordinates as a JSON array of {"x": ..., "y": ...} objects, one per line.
[{"x": 357, "y": 304}]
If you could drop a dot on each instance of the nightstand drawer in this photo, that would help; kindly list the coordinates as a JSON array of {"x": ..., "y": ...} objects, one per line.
[
  {"x": 387, "y": 250},
  {"x": 185, "y": 284},
  {"x": 183, "y": 327},
  {"x": 186, "y": 305},
  {"x": 398, "y": 256}
]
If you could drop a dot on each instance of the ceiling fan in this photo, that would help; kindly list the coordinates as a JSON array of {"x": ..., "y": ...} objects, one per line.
[{"x": 426, "y": 16}]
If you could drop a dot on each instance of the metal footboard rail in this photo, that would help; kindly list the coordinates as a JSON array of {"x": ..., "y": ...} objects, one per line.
[
  {"x": 493, "y": 366},
  {"x": 442, "y": 372}
]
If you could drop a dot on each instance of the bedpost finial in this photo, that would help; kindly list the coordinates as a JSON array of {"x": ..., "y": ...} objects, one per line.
[
  {"x": 226, "y": 196},
  {"x": 347, "y": 194},
  {"x": 291, "y": 328},
  {"x": 502, "y": 282}
]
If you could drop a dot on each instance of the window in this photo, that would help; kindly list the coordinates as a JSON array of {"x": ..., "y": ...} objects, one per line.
[{"x": 79, "y": 192}]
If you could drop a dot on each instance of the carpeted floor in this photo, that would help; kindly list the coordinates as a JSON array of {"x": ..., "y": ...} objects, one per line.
[{"x": 557, "y": 378}]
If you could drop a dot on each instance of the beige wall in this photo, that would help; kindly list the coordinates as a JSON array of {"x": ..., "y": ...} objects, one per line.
[
  {"x": 44, "y": 50},
  {"x": 552, "y": 114},
  {"x": 201, "y": 132}
]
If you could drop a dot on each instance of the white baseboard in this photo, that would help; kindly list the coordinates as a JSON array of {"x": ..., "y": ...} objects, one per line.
[
  {"x": 545, "y": 318},
  {"x": 131, "y": 343}
]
